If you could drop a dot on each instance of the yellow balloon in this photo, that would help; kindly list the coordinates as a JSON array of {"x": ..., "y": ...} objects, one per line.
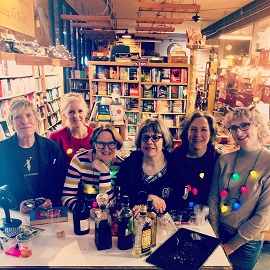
[{"x": 202, "y": 175}]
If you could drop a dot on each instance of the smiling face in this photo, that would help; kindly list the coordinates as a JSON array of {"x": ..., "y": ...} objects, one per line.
[
  {"x": 198, "y": 135},
  {"x": 247, "y": 140},
  {"x": 150, "y": 148},
  {"x": 75, "y": 114},
  {"x": 106, "y": 154},
  {"x": 24, "y": 123}
]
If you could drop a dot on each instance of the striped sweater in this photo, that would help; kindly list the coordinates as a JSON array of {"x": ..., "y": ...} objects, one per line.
[{"x": 94, "y": 181}]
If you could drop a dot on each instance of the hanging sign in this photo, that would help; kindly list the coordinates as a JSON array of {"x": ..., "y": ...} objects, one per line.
[{"x": 18, "y": 15}]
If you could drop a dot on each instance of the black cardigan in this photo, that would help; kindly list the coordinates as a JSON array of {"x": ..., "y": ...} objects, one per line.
[{"x": 129, "y": 179}]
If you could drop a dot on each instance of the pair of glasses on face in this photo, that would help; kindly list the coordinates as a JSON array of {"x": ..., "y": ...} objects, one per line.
[
  {"x": 242, "y": 127},
  {"x": 154, "y": 138},
  {"x": 102, "y": 145}
]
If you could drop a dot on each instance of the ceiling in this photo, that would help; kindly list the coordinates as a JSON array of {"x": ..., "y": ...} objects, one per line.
[{"x": 127, "y": 11}]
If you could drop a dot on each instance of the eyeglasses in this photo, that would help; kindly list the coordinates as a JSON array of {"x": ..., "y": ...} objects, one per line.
[
  {"x": 242, "y": 127},
  {"x": 154, "y": 138},
  {"x": 102, "y": 145}
]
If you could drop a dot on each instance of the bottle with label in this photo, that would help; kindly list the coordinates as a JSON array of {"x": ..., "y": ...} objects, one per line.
[
  {"x": 152, "y": 215},
  {"x": 81, "y": 213},
  {"x": 143, "y": 234},
  {"x": 103, "y": 229},
  {"x": 125, "y": 226},
  {"x": 115, "y": 207}
]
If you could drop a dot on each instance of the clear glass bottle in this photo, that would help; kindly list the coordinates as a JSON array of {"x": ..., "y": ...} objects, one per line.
[
  {"x": 81, "y": 213},
  {"x": 152, "y": 215},
  {"x": 115, "y": 206},
  {"x": 103, "y": 230},
  {"x": 143, "y": 234},
  {"x": 125, "y": 226}
]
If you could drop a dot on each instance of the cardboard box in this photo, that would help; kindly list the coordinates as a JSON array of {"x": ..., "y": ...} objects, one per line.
[{"x": 177, "y": 59}]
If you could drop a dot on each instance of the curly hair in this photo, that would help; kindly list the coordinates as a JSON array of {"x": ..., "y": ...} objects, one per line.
[
  {"x": 188, "y": 121},
  {"x": 109, "y": 128},
  {"x": 254, "y": 116},
  {"x": 157, "y": 126}
]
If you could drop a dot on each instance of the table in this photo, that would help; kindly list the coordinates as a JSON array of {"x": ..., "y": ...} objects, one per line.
[{"x": 79, "y": 252}]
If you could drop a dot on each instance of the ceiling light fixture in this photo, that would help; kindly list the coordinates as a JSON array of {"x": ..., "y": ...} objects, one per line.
[
  {"x": 235, "y": 37},
  {"x": 126, "y": 34}
]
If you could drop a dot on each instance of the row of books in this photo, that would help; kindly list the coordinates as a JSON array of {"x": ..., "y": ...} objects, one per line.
[
  {"x": 53, "y": 106},
  {"x": 164, "y": 106},
  {"x": 9, "y": 68},
  {"x": 38, "y": 85},
  {"x": 16, "y": 87},
  {"x": 121, "y": 89},
  {"x": 164, "y": 91},
  {"x": 116, "y": 73},
  {"x": 80, "y": 85},
  {"x": 52, "y": 94},
  {"x": 52, "y": 82},
  {"x": 179, "y": 75},
  {"x": 132, "y": 118}
]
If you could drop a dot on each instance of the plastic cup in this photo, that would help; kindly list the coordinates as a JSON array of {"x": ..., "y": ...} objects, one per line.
[
  {"x": 53, "y": 218},
  {"x": 24, "y": 241}
]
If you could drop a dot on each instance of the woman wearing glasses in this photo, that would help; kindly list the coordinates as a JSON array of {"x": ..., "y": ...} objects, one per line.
[
  {"x": 194, "y": 160},
  {"x": 147, "y": 173},
  {"x": 97, "y": 167},
  {"x": 239, "y": 199}
]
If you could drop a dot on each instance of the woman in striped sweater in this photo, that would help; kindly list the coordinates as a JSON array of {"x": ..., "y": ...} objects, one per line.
[{"x": 97, "y": 167}]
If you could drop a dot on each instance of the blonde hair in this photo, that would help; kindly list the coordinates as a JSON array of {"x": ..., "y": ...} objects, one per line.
[
  {"x": 17, "y": 104},
  {"x": 109, "y": 128},
  {"x": 254, "y": 116},
  {"x": 158, "y": 127},
  {"x": 71, "y": 97}
]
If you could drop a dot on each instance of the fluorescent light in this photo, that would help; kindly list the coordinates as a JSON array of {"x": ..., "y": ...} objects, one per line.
[
  {"x": 235, "y": 37},
  {"x": 126, "y": 34}
]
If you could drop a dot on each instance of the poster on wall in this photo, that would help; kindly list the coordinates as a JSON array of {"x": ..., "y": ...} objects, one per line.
[{"x": 18, "y": 15}]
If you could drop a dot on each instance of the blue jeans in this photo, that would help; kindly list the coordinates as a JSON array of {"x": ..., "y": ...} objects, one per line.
[{"x": 246, "y": 256}]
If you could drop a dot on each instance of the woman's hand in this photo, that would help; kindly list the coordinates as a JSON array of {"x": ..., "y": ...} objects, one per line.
[
  {"x": 136, "y": 210},
  {"x": 26, "y": 209},
  {"x": 228, "y": 250},
  {"x": 80, "y": 151},
  {"x": 158, "y": 203},
  {"x": 100, "y": 166}
]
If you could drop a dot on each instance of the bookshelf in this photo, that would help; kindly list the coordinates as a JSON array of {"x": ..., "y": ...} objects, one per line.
[
  {"x": 145, "y": 89},
  {"x": 43, "y": 84},
  {"x": 80, "y": 85}
]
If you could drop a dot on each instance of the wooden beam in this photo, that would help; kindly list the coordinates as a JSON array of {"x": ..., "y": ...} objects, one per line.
[
  {"x": 99, "y": 32},
  {"x": 167, "y": 7},
  {"x": 159, "y": 20},
  {"x": 92, "y": 25},
  {"x": 155, "y": 28},
  {"x": 150, "y": 35},
  {"x": 86, "y": 18}
]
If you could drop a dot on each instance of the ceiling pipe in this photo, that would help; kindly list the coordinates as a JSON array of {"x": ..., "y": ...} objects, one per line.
[{"x": 254, "y": 11}]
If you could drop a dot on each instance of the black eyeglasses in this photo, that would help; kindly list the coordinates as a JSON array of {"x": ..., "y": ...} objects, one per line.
[
  {"x": 154, "y": 138},
  {"x": 242, "y": 127},
  {"x": 102, "y": 145}
]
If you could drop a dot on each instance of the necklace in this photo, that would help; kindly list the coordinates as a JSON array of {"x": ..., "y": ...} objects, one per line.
[
  {"x": 225, "y": 208},
  {"x": 82, "y": 141}
]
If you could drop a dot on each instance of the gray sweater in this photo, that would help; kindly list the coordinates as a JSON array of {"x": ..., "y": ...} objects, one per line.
[{"x": 251, "y": 219}]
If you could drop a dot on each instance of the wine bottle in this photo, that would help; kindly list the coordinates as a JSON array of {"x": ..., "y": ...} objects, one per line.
[
  {"x": 81, "y": 213},
  {"x": 115, "y": 206},
  {"x": 152, "y": 215},
  {"x": 103, "y": 230},
  {"x": 125, "y": 226},
  {"x": 143, "y": 234}
]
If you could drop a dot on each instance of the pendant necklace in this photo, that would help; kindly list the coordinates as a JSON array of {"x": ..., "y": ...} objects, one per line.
[
  {"x": 71, "y": 149},
  {"x": 252, "y": 174}
]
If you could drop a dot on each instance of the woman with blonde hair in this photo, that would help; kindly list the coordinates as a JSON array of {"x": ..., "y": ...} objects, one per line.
[
  {"x": 239, "y": 199},
  {"x": 97, "y": 167},
  {"x": 31, "y": 165},
  {"x": 75, "y": 136}
]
